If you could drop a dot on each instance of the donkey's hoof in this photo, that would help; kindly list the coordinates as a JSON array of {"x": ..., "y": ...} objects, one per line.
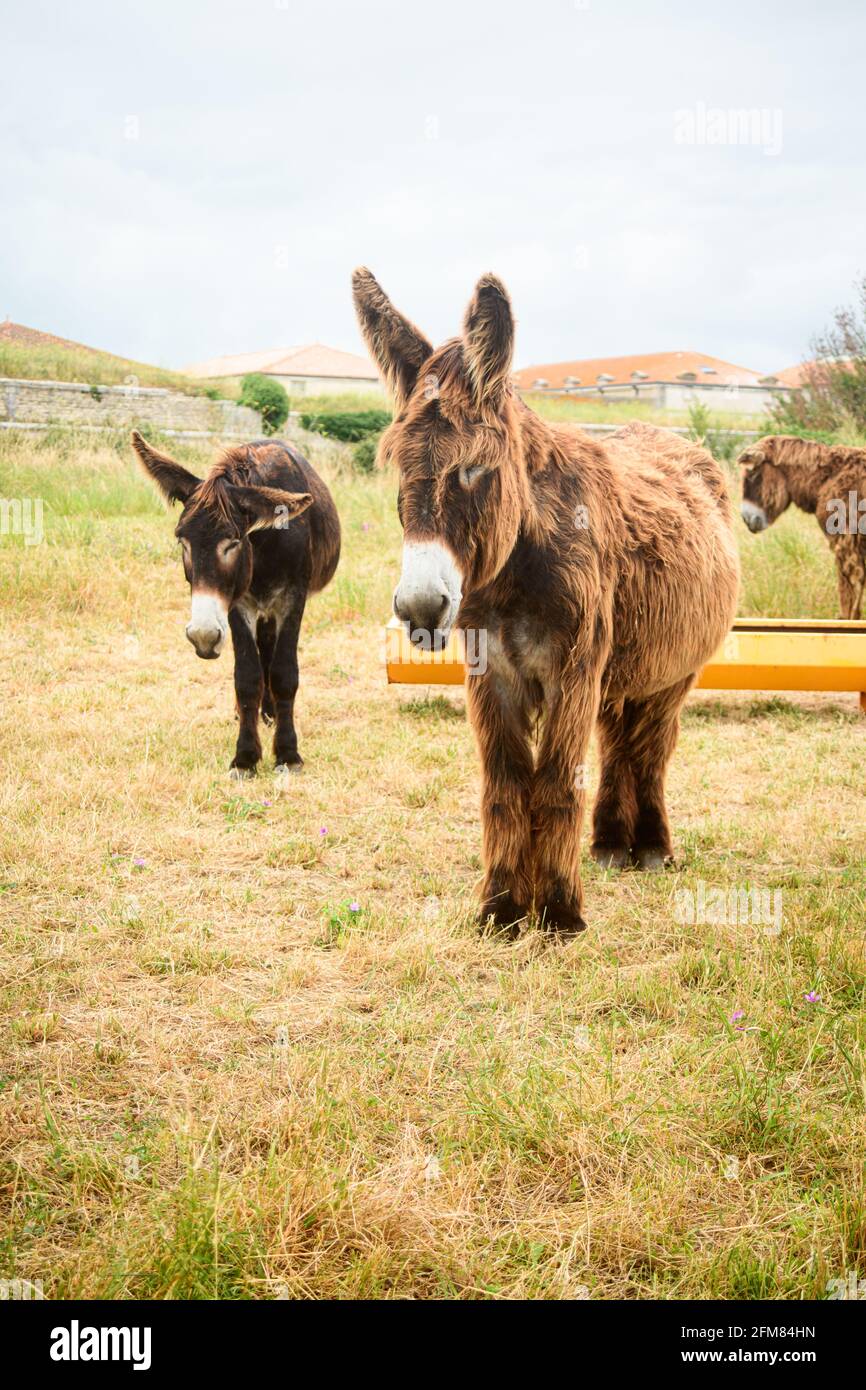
[
  {"x": 288, "y": 769},
  {"x": 241, "y": 774},
  {"x": 610, "y": 856},
  {"x": 652, "y": 860},
  {"x": 562, "y": 923},
  {"x": 559, "y": 913},
  {"x": 501, "y": 916}
]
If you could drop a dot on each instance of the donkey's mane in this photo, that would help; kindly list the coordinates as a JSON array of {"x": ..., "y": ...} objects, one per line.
[
  {"x": 809, "y": 466},
  {"x": 808, "y": 453},
  {"x": 236, "y": 468},
  {"x": 446, "y": 370}
]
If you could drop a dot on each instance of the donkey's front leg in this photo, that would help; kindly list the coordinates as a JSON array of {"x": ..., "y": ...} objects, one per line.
[
  {"x": 502, "y": 732},
  {"x": 558, "y": 799},
  {"x": 249, "y": 685},
  {"x": 284, "y": 686}
]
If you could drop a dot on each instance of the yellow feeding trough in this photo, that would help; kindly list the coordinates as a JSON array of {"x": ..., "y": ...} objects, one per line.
[{"x": 757, "y": 654}]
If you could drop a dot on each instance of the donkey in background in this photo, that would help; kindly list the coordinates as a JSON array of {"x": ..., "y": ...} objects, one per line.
[
  {"x": 257, "y": 535},
  {"x": 828, "y": 480},
  {"x": 604, "y": 577}
]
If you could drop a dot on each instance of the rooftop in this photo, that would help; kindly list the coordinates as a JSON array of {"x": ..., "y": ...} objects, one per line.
[
  {"x": 648, "y": 366},
  {"x": 799, "y": 375},
  {"x": 313, "y": 359}
]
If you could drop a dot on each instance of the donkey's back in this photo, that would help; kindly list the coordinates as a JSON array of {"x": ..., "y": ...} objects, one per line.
[
  {"x": 678, "y": 572},
  {"x": 277, "y": 463},
  {"x": 660, "y": 454}
]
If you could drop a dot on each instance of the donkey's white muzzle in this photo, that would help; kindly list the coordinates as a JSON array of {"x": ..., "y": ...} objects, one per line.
[
  {"x": 208, "y": 625},
  {"x": 754, "y": 517},
  {"x": 428, "y": 595}
]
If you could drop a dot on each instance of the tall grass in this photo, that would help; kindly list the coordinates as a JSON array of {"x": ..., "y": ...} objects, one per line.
[
  {"x": 49, "y": 363},
  {"x": 253, "y": 1046}
]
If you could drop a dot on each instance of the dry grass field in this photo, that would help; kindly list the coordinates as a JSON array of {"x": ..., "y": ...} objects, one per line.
[{"x": 252, "y": 1046}]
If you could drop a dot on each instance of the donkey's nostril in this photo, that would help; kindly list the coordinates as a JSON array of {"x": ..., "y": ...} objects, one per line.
[
  {"x": 207, "y": 641},
  {"x": 426, "y": 611}
]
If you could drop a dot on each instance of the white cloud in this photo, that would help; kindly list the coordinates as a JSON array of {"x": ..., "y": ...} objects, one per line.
[{"x": 277, "y": 148}]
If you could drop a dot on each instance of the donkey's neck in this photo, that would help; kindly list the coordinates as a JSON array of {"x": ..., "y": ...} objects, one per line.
[{"x": 806, "y": 466}]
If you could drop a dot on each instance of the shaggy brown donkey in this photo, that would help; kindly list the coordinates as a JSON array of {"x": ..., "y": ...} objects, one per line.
[
  {"x": 826, "y": 480},
  {"x": 258, "y": 535},
  {"x": 604, "y": 577}
]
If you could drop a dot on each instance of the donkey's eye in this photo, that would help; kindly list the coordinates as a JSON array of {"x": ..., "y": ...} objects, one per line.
[
  {"x": 469, "y": 476},
  {"x": 227, "y": 550}
]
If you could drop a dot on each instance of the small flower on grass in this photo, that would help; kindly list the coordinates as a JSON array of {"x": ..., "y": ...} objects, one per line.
[
  {"x": 323, "y": 830},
  {"x": 813, "y": 997},
  {"x": 738, "y": 1014},
  {"x": 139, "y": 863},
  {"x": 339, "y": 921}
]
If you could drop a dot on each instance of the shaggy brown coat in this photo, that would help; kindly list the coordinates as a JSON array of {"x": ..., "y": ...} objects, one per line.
[
  {"x": 817, "y": 478},
  {"x": 604, "y": 577}
]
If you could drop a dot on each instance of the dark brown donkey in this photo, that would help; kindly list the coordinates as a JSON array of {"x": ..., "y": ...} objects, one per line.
[
  {"x": 258, "y": 535},
  {"x": 827, "y": 480},
  {"x": 603, "y": 577}
]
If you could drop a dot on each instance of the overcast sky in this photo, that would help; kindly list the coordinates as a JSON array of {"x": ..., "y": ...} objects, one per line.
[{"x": 187, "y": 178}]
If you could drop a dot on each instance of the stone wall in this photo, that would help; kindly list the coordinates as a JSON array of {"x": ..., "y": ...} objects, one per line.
[{"x": 71, "y": 403}]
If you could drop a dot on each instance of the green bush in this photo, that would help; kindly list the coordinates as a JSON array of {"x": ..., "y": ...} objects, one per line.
[
  {"x": 267, "y": 396},
  {"x": 833, "y": 395},
  {"x": 725, "y": 445},
  {"x": 364, "y": 453},
  {"x": 347, "y": 425}
]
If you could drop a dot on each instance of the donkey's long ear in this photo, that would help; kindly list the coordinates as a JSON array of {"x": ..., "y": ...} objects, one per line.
[
  {"x": 488, "y": 333},
  {"x": 269, "y": 508},
  {"x": 173, "y": 480},
  {"x": 396, "y": 344}
]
